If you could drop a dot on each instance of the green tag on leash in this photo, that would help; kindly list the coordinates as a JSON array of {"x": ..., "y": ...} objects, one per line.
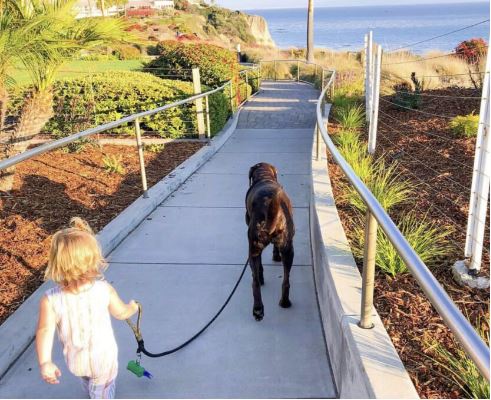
[{"x": 138, "y": 370}]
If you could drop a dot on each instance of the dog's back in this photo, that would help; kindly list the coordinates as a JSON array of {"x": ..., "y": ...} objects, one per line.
[{"x": 270, "y": 213}]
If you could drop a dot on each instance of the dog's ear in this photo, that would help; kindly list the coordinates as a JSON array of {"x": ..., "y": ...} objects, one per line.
[
  {"x": 251, "y": 173},
  {"x": 275, "y": 172}
]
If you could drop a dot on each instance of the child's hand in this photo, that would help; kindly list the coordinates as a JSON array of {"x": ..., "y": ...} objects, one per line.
[
  {"x": 50, "y": 373},
  {"x": 133, "y": 306}
]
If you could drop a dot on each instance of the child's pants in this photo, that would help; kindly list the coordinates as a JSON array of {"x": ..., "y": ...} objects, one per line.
[{"x": 103, "y": 391}]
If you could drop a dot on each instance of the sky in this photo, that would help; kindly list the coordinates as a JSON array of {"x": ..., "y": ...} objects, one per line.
[{"x": 257, "y": 4}]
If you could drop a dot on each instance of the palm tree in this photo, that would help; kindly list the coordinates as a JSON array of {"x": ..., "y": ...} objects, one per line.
[
  {"x": 55, "y": 37},
  {"x": 310, "y": 32}
]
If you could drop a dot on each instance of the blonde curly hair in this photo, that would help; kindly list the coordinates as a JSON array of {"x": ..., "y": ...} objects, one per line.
[{"x": 75, "y": 256}]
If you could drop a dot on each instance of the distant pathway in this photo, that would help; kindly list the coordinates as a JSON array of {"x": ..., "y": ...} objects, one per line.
[{"x": 182, "y": 262}]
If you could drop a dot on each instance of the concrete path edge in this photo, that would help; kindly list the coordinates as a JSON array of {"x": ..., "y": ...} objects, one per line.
[
  {"x": 364, "y": 361},
  {"x": 18, "y": 331}
]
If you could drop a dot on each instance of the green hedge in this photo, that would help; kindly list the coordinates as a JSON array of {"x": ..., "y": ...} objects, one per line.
[
  {"x": 217, "y": 65},
  {"x": 89, "y": 101}
]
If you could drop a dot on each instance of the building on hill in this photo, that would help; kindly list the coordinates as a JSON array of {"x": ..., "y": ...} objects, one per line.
[
  {"x": 154, "y": 4},
  {"x": 88, "y": 8}
]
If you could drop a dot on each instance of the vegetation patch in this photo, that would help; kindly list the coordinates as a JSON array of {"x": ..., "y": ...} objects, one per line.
[
  {"x": 436, "y": 164},
  {"x": 216, "y": 64},
  {"x": 93, "y": 100},
  {"x": 465, "y": 125},
  {"x": 50, "y": 189}
]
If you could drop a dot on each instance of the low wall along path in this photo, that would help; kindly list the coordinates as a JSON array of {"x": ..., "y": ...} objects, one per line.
[{"x": 184, "y": 259}]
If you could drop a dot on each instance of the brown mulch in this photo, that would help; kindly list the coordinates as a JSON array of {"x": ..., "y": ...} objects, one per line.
[
  {"x": 56, "y": 186},
  {"x": 440, "y": 166}
]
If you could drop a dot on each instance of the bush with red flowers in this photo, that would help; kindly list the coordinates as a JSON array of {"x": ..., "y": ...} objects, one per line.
[
  {"x": 217, "y": 65},
  {"x": 472, "y": 50}
]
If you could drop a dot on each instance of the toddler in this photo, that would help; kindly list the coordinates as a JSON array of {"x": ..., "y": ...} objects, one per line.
[{"x": 79, "y": 307}]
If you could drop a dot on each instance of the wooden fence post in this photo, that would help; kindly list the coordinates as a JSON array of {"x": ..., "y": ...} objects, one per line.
[{"x": 199, "y": 103}]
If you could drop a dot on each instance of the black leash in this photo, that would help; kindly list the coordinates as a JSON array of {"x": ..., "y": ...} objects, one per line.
[{"x": 139, "y": 337}]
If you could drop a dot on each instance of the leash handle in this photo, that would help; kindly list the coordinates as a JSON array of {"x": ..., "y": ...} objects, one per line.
[{"x": 136, "y": 328}]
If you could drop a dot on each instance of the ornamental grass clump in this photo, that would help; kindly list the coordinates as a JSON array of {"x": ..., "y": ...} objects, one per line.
[
  {"x": 460, "y": 367},
  {"x": 465, "y": 125},
  {"x": 113, "y": 164},
  {"x": 386, "y": 185},
  {"x": 354, "y": 152},
  {"x": 351, "y": 117},
  {"x": 429, "y": 241}
]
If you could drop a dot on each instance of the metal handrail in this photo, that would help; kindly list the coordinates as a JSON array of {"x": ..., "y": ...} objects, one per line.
[{"x": 472, "y": 343}]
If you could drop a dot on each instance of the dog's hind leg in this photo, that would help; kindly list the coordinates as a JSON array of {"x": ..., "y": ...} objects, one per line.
[
  {"x": 261, "y": 272},
  {"x": 258, "y": 309},
  {"x": 276, "y": 254},
  {"x": 287, "y": 256}
]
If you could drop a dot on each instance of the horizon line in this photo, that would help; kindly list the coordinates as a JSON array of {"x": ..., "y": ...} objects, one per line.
[{"x": 363, "y": 5}]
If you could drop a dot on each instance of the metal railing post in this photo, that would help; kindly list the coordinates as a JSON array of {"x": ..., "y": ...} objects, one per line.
[
  {"x": 139, "y": 146},
  {"x": 372, "y": 129},
  {"x": 298, "y": 71},
  {"x": 231, "y": 96},
  {"x": 369, "y": 73},
  {"x": 207, "y": 108},
  {"x": 199, "y": 103},
  {"x": 479, "y": 198},
  {"x": 247, "y": 85},
  {"x": 368, "y": 278}
]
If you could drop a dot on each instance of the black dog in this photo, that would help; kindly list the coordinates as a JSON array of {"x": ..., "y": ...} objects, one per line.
[{"x": 270, "y": 220}]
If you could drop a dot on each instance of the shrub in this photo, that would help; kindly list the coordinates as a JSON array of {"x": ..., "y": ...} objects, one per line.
[
  {"x": 343, "y": 101},
  {"x": 405, "y": 96},
  {"x": 113, "y": 164},
  {"x": 126, "y": 52},
  {"x": 281, "y": 71},
  {"x": 465, "y": 125},
  {"x": 78, "y": 145},
  {"x": 385, "y": 184},
  {"x": 219, "y": 111},
  {"x": 154, "y": 147},
  {"x": 461, "y": 368},
  {"x": 254, "y": 79},
  {"x": 351, "y": 117},
  {"x": 472, "y": 50},
  {"x": 217, "y": 65},
  {"x": 93, "y": 100},
  {"x": 428, "y": 240}
]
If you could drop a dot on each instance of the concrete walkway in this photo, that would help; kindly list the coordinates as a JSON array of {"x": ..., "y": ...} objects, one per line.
[{"x": 182, "y": 262}]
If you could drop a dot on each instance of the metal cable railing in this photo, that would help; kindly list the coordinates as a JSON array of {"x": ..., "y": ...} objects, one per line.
[{"x": 472, "y": 343}]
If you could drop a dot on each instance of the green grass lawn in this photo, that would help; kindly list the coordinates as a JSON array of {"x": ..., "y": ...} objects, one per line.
[{"x": 79, "y": 68}]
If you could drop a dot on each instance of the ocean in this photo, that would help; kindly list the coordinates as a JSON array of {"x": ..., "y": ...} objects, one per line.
[{"x": 343, "y": 28}]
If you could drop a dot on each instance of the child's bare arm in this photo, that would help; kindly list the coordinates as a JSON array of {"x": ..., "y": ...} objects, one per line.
[
  {"x": 44, "y": 342},
  {"x": 118, "y": 308}
]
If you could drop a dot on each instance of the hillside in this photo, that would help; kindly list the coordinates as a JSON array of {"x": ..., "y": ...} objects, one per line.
[{"x": 203, "y": 23}]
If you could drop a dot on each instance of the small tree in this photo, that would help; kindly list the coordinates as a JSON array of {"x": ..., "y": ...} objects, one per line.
[{"x": 60, "y": 37}]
